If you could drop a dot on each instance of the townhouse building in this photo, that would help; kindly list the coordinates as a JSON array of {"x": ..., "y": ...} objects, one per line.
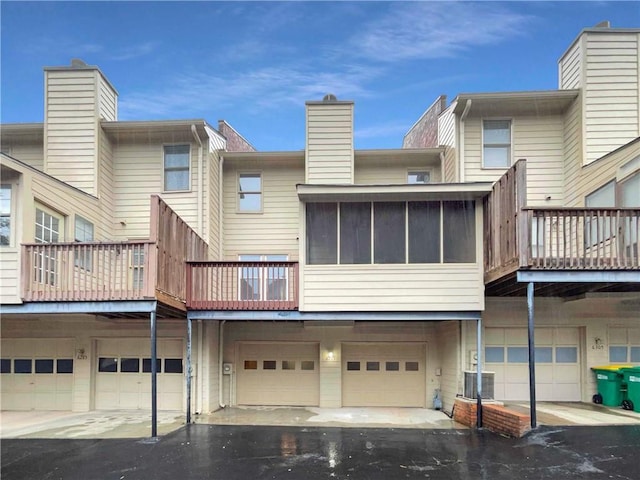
[{"x": 330, "y": 276}]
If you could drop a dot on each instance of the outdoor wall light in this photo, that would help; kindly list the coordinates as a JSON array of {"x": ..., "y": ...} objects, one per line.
[{"x": 330, "y": 356}]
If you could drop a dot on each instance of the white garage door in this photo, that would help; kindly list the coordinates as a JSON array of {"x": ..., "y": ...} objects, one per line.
[
  {"x": 123, "y": 377},
  {"x": 557, "y": 363},
  {"x": 383, "y": 375},
  {"x": 37, "y": 374},
  {"x": 278, "y": 374}
]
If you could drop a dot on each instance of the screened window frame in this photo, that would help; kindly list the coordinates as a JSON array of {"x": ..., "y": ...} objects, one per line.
[
  {"x": 419, "y": 170},
  {"x": 477, "y": 235},
  {"x": 175, "y": 169},
  {"x": 509, "y": 145},
  {"x": 250, "y": 192}
]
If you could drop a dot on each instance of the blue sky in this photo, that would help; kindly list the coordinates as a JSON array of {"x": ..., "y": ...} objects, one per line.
[{"x": 254, "y": 64}]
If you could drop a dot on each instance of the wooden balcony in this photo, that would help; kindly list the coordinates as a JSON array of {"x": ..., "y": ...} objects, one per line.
[
  {"x": 520, "y": 238},
  {"x": 242, "y": 285},
  {"x": 115, "y": 271}
]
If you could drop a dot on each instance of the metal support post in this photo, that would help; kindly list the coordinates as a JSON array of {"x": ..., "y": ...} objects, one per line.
[
  {"x": 532, "y": 356},
  {"x": 154, "y": 376},
  {"x": 189, "y": 333},
  {"x": 479, "y": 375}
]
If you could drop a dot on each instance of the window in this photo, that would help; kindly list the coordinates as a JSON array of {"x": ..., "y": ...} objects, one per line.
[
  {"x": 566, "y": 355},
  {"x": 392, "y": 366},
  {"x": 249, "y": 192},
  {"x": 307, "y": 365},
  {"x": 5, "y": 215},
  {"x": 269, "y": 364},
  {"x": 107, "y": 364},
  {"x": 146, "y": 365},
  {"x": 618, "y": 354},
  {"x": 421, "y": 228},
  {"x": 373, "y": 366},
  {"x": 129, "y": 365},
  {"x": 64, "y": 365},
  {"x": 21, "y": 366},
  {"x": 137, "y": 267},
  {"x": 494, "y": 354},
  {"x": 172, "y": 365},
  {"x": 5, "y": 365},
  {"x": 389, "y": 232},
  {"x": 250, "y": 364},
  {"x": 263, "y": 282},
  {"x": 517, "y": 355},
  {"x": 176, "y": 168},
  {"x": 411, "y": 366},
  {"x": 355, "y": 233},
  {"x": 496, "y": 149},
  {"x": 48, "y": 229},
  {"x": 44, "y": 366},
  {"x": 419, "y": 177},
  {"x": 322, "y": 231},
  {"x": 544, "y": 354},
  {"x": 353, "y": 366},
  {"x": 288, "y": 365},
  {"x": 83, "y": 233}
]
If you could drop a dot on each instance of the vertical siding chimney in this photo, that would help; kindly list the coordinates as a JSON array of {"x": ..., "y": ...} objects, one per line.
[
  {"x": 329, "y": 148},
  {"x": 77, "y": 97}
]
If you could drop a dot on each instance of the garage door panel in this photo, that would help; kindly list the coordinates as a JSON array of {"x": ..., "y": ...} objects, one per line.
[
  {"x": 566, "y": 336},
  {"x": 381, "y": 385},
  {"x": 273, "y": 374}
]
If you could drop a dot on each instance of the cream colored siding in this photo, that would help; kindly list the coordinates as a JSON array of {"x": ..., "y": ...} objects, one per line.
[
  {"x": 570, "y": 67},
  {"x": 108, "y": 101},
  {"x": 390, "y": 171},
  {"x": 71, "y": 127},
  {"x": 537, "y": 139},
  {"x": 30, "y": 154},
  {"x": 447, "y": 138},
  {"x": 138, "y": 174},
  {"x": 410, "y": 287},
  {"x": 276, "y": 229},
  {"x": 612, "y": 92},
  {"x": 572, "y": 151},
  {"x": 212, "y": 210},
  {"x": 9, "y": 275},
  {"x": 329, "y": 156},
  {"x": 106, "y": 186},
  {"x": 449, "y": 350}
]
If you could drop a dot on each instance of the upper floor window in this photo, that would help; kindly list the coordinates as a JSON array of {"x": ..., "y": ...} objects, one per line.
[
  {"x": 419, "y": 176},
  {"x": 83, "y": 233},
  {"x": 176, "y": 168},
  {"x": 496, "y": 148},
  {"x": 5, "y": 214},
  {"x": 250, "y": 192},
  {"x": 48, "y": 227},
  {"x": 390, "y": 232},
  {"x": 263, "y": 282}
]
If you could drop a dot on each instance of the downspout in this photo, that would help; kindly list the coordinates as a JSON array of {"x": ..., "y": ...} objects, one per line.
[
  {"x": 220, "y": 209},
  {"x": 200, "y": 179},
  {"x": 220, "y": 365},
  {"x": 465, "y": 112},
  {"x": 199, "y": 374}
]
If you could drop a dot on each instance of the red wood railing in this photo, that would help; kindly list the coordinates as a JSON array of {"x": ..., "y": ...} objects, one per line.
[
  {"x": 242, "y": 285},
  {"x": 92, "y": 271},
  {"x": 582, "y": 238}
]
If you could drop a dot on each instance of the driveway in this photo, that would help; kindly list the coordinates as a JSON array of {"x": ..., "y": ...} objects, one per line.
[{"x": 242, "y": 452}]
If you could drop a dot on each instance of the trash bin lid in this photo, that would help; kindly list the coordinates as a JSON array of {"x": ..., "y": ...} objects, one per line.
[{"x": 614, "y": 367}]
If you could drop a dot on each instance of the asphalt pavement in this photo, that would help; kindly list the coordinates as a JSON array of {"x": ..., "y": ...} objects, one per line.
[{"x": 249, "y": 452}]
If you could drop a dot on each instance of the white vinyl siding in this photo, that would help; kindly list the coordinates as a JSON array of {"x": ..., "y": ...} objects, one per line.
[
  {"x": 276, "y": 230},
  {"x": 26, "y": 152},
  {"x": 212, "y": 207},
  {"x": 612, "y": 92},
  {"x": 390, "y": 171},
  {"x": 108, "y": 101},
  {"x": 71, "y": 127},
  {"x": 570, "y": 67},
  {"x": 572, "y": 135},
  {"x": 137, "y": 176},
  {"x": 447, "y": 139},
  {"x": 106, "y": 186},
  {"x": 329, "y": 152},
  {"x": 412, "y": 287}
]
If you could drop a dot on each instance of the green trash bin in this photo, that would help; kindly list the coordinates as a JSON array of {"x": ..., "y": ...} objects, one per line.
[
  {"x": 631, "y": 376},
  {"x": 609, "y": 381}
]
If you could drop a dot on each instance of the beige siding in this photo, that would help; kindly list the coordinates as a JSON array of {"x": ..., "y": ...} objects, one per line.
[
  {"x": 449, "y": 358},
  {"x": 571, "y": 67},
  {"x": 276, "y": 229},
  {"x": 212, "y": 210},
  {"x": 572, "y": 151},
  {"x": 447, "y": 139},
  {"x": 612, "y": 92},
  {"x": 28, "y": 153},
  {"x": 138, "y": 174},
  {"x": 369, "y": 288},
  {"x": 390, "y": 171},
  {"x": 9, "y": 275},
  {"x": 329, "y": 153},
  {"x": 106, "y": 185},
  {"x": 108, "y": 101},
  {"x": 537, "y": 139},
  {"x": 71, "y": 127}
]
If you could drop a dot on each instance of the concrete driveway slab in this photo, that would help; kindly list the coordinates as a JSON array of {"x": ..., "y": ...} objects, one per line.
[{"x": 232, "y": 452}]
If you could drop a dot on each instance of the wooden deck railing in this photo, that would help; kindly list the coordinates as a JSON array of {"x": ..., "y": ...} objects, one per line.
[
  {"x": 91, "y": 271},
  {"x": 582, "y": 238},
  {"x": 242, "y": 285},
  {"x": 103, "y": 271}
]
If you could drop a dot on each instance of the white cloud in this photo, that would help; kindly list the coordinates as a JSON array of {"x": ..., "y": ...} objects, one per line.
[
  {"x": 389, "y": 129},
  {"x": 435, "y": 30},
  {"x": 133, "y": 51}
]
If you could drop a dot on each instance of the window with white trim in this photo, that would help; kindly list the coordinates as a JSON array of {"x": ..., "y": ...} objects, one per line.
[
  {"x": 263, "y": 282},
  {"x": 176, "y": 168},
  {"x": 250, "y": 192},
  {"x": 83, "y": 233},
  {"x": 419, "y": 176},
  {"x": 48, "y": 230},
  {"x": 5, "y": 215},
  {"x": 496, "y": 147}
]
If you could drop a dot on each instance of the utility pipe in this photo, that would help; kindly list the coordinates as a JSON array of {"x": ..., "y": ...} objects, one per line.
[
  {"x": 220, "y": 209},
  {"x": 189, "y": 335},
  {"x": 194, "y": 131},
  {"x": 532, "y": 356},
  {"x": 479, "y": 374},
  {"x": 154, "y": 375}
]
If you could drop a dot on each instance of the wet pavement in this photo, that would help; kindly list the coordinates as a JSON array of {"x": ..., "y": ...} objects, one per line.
[{"x": 246, "y": 452}]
